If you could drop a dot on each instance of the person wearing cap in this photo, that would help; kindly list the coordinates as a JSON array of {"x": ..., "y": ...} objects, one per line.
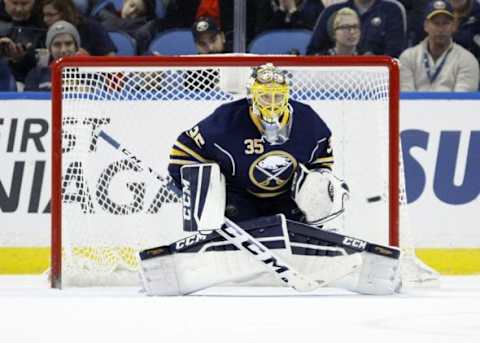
[
  {"x": 437, "y": 63},
  {"x": 209, "y": 39},
  {"x": 62, "y": 40},
  {"x": 383, "y": 26}
]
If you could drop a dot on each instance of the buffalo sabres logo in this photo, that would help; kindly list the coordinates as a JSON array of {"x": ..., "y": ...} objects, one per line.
[{"x": 273, "y": 170}]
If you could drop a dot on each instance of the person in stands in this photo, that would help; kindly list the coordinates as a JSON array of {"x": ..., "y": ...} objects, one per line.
[
  {"x": 345, "y": 32},
  {"x": 291, "y": 14},
  {"x": 95, "y": 39},
  {"x": 21, "y": 33},
  {"x": 382, "y": 25},
  {"x": 467, "y": 24},
  {"x": 136, "y": 18},
  {"x": 209, "y": 39},
  {"x": 437, "y": 63},
  {"x": 62, "y": 40}
]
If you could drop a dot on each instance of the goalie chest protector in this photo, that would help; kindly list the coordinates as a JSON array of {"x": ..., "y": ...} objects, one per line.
[{"x": 232, "y": 137}]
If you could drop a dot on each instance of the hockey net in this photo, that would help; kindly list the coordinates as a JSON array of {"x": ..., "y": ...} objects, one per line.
[{"x": 105, "y": 208}]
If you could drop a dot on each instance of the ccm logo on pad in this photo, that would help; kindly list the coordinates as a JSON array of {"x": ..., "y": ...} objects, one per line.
[{"x": 355, "y": 243}]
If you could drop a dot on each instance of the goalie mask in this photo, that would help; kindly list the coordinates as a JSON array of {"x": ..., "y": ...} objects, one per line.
[{"x": 268, "y": 92}]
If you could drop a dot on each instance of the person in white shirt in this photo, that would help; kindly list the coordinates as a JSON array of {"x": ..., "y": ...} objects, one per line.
[{"x": 437, "y": 63}]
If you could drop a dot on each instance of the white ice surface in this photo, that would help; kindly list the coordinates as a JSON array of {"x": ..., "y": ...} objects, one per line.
[{"x": 31, "y": 312}]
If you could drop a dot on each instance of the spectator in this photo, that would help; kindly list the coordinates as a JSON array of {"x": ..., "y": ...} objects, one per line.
[
  {"x": 467, "y": 23},
  {"x": 209, "y": 39},
  {"x": 21, "y": 34},
  {"x": 95, "y": 39},
  {"x": 183, "y": 13},
  {"x": 437, "y": 63},
  {"x": 383, "y": 27},
  {"x": 292, "y": 14},
  {"x": 345, "y": 32},
  {"x": 135, "y": 18},
  {"x": 62, "y": 40}
]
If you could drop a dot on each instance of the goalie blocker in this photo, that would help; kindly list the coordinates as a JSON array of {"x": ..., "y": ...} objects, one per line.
[{"x": 203, "y": 197}]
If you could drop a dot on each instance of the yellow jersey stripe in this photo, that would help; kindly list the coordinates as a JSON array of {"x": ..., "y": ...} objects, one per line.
[
  {"x": 191, "y": 152},
  {"x": 176, "y": 152},
  {"x": 182, "y": 162},
  {"x": 266, "y": 195},
  {"x": 323, "y": 159},
  {"x": 327, "y": 165}
]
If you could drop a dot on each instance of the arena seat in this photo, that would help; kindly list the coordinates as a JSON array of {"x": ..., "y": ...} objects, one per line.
[
  {"x": 173, "y": 42},
  {"x": 125, "y": 44},
  {"x": 281, "y": 42}
]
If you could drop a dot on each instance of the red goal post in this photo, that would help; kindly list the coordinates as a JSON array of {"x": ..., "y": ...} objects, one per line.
[{"x": 86, "y": 70}]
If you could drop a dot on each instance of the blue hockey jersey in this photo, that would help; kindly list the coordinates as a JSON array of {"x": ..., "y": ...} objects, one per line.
[{"x": 232, "y": 137}]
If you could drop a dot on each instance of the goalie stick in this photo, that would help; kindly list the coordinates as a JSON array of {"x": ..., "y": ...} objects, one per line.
[{"x": 238, "y": 237}]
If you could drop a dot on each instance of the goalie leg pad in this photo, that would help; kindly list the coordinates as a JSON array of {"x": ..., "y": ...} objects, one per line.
[
  {"x": 187, "y": 273},
  {"x": 158, "y": 274},
  {"x": 378, "y": 275},
  {"x": 203, "y": 197}
]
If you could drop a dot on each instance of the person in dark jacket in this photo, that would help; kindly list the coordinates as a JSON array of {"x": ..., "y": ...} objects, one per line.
[
  {"x": 183, "y": 13},
  {"x": 95, "y": 39},
  {"x": 467, "y": 22},
  {"x": 291, "y": 14},
  {"x": 383, "y": 27},
  {"x": 21, "y": 33},
  {"x": 345, "y": 32}
]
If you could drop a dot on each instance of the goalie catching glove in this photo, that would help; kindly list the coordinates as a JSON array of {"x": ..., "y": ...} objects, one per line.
[{"x": 319, "y": 194}]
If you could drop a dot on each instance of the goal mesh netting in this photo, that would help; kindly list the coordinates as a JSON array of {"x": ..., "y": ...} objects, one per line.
[{"x": 105, "y": 208}]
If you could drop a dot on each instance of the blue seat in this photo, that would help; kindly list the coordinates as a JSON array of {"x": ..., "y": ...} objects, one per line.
[
  {"x": 125, "y": 44},
  {"x": 173, "y": 42},
  {"x": 280, "y": 42}
]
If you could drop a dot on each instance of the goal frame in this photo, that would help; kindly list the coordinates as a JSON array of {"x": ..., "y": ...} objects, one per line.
[{"x": 217, "y": 60}]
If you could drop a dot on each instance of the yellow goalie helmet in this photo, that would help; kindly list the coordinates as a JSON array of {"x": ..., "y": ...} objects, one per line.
[{"x": 269, "y": 92}]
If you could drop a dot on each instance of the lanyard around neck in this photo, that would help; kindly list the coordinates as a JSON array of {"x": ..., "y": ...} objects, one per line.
[{"x": 428, "y": 68}]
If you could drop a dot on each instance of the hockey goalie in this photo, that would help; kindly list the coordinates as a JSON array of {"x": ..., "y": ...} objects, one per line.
[{"x": 257, "y": 185}]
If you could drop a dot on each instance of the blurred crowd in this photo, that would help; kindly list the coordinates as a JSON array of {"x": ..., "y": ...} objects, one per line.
[{"x": 437, "y": 42}]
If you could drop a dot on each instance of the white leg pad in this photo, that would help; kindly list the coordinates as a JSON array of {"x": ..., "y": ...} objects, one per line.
[
  {"x": 378, "y": 275},
  {"x": 181, "y": 274}
]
